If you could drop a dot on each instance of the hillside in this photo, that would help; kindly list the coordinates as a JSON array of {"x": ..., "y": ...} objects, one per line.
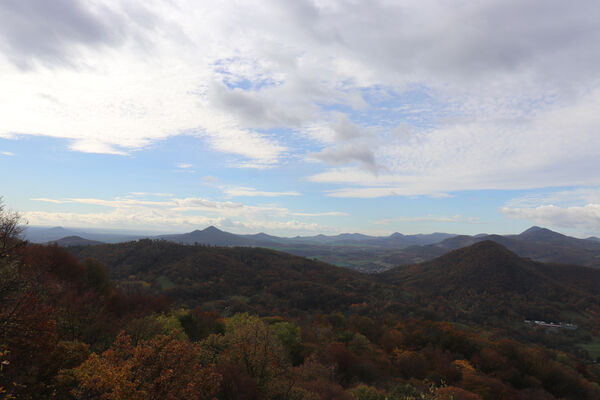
[
  {"x": 480, "y": 283},
  {"x": 487, "y": 279},
  {"x": 68, "y": 241},
  {"x": 259, "y": 278}
]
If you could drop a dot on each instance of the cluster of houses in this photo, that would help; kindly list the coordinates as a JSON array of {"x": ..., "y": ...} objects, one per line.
[{"x": 560, "y": 325}]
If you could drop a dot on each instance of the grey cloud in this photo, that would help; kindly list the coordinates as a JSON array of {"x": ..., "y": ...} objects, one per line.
[
  {"x": 52, "y": 32},
  {"x": 346, "y": 129},
  {"x": 540, "y": 38},
  {"x": 348, "y": 153},
  {"x": 46, "y": 31},
  {"x": 253, "y": 108}
]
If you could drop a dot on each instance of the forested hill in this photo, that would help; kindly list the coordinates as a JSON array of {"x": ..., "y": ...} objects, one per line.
[
  {"x": 254, "y": 279},
  {"x": 487, "y": 280},
  {"x": 537, "y": 243},
  {"x": 491, "y": 268},
  {"x": 482, "y": 283}
]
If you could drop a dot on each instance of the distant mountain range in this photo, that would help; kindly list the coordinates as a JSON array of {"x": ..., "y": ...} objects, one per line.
[
  {"x": 539, "y": 244},
  {"x": 215, "y": 237},
  {"x": 358, "y": 251},
  {"x": 40, "y": 234}
]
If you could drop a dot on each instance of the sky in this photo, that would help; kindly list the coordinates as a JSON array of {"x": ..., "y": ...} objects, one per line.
[{"x": 302, "y": 117}]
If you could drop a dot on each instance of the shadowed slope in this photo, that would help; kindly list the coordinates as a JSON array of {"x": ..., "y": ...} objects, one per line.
[
  {"x": 486, "y": 278},
  {"x": 259, "y": 277}
]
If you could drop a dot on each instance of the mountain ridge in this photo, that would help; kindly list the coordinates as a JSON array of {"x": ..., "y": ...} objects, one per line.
[{"x": 379, "y": 253}]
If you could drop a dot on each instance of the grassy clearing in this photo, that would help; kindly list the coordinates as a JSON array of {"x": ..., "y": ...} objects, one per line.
[
  {"x": 165, "y": 283},
  {"x": 593, "y": 348}
]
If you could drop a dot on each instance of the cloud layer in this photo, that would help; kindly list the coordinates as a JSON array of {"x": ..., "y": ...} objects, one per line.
[
  {"x": 583, "y": 218},
  {"x": 177, "y": 214},
  {"x": 386, "y": 98}
]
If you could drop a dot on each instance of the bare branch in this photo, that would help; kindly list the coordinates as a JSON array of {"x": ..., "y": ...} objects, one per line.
[{"x": 11, "y": 227}]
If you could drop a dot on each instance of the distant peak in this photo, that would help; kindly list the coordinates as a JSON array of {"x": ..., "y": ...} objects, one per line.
[
  {"x": 538, "y": 232},
  {"x": 262, "y": 235},
  {"x": 396, "y": 235},
  {"x": 351, "y": 235},
  {"x": 212, "y": 228},
  {"x": 533, "y": 229}
]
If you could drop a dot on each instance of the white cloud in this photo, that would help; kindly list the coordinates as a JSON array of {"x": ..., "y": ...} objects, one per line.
[
  {"x": 570, "y": 197},
  {"x": 554, "y": 147},
  {"x": 176, "y": 214},
  {"x": 126, "y": 96},
  {"x": 46, "y": 200},
  {"x": 431, "y": 218},
  {"x": 166, "y": 222},
  {"x": 584, "y": 218},
  {"x": 7, "y": 153},
  {"x": 122, "y": 218},
  {"x": 210, "y": 180},
  {"x": 323, "y": 214},
  {"x": 185, "y": 165},
  {"x": 252, "y": 192},
  {"x": 512, "y": 86},
  {"x": 159, "y": 194}
]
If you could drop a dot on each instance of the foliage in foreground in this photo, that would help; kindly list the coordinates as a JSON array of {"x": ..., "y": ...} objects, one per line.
[{"x": 67, "y": 332}]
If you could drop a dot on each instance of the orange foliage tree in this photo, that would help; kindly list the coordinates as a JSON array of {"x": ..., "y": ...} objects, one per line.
[{"x": 164, "y": 368}]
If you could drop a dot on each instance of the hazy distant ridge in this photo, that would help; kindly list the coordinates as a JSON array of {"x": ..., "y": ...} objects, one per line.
[{"x": 358, "y": 251}]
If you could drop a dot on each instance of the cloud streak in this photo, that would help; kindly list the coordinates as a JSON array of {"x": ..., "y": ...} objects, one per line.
[
  {"x": 252, "y": 192},
  {"x": 459, "y": 219},
  {"x": 176, "y": 214},
  {"x": 323, "y": 214},
  {"x": 571, "y": 197}
]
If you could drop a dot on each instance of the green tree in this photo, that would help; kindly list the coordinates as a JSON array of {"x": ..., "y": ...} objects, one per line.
[{"x": 255, "y": 347}]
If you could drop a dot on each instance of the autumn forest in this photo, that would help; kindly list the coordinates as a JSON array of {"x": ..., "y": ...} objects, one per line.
[{"x": 150, "y": 319}]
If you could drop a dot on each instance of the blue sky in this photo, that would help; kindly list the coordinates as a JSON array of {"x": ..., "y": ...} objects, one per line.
[{"x": 302, "y": 117}]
